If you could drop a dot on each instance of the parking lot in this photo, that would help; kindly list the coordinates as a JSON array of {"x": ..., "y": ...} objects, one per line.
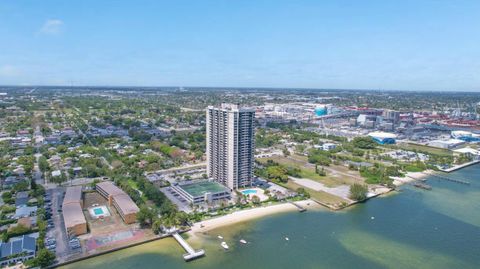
[
  {"x": 181, "y": 203},
  {"x": 56, "y": 239}
]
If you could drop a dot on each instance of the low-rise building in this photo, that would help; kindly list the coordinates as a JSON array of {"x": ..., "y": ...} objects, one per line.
[
  {"x": 202, "y": 192},
  {"x": 21, "y": 198},
  {"x": 17, "y": 250},
  {"x": 117, "y": 198},
  {"x": 25, "y": 211},
  {"x": 446, "y": 144},
  {"x": 74, "y": 219}
]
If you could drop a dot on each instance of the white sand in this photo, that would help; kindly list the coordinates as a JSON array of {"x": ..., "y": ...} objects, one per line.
[
  {"x": 410, "y": 176},
  {"x": 248, "y": 214}
]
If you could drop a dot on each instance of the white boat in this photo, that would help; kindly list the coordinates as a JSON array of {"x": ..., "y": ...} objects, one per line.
[
  {"x": 220, "y": 237},
  {"x": 224, "y": 245},
  {"x": 286, "y": 238},
  {"x": 243, "y": 241}
]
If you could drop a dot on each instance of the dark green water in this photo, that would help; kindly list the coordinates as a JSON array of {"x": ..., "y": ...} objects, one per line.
[{"x": 411, "y": 229}]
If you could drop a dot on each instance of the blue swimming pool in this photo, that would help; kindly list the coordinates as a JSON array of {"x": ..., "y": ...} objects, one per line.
[
  {"x": 246, "y": 192},
  {"x": 98, "y": 211}
]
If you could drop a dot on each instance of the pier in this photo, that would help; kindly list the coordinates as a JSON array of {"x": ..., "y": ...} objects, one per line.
[
  {"x": 439, "y": 176},
  {"x": 191, "y": 253},
  {"x": 300, "y": 208}
]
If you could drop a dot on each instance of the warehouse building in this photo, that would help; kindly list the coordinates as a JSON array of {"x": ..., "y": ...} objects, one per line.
[{"x": 383, "y": 137}]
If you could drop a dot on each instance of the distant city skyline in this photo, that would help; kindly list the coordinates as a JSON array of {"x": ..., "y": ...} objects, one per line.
[{"x": 408, "y": 45}]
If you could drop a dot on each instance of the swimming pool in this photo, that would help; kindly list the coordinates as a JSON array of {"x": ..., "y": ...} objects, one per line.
[
  {"x": 98, "y": 211},
  {"x": 250, "y": 191}
]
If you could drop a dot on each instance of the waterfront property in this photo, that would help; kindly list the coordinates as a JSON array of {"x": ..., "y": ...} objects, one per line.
[
  {"x": 117, "y": 198},
  {"x": 230, "y": 145},
  {"x": 75, "y": 222},
  {"x": 202, "y": 192},
  {"x": 364, "y": 236}
]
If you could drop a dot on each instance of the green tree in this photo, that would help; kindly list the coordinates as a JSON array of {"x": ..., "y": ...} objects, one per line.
[
  {"x": 364, "y": 142},
  {"x": 358, "y": 192},
  {"x": 255, "y": 199},
  {"x": 44, "y": 258},
  {"x": 145, "y": 216}
]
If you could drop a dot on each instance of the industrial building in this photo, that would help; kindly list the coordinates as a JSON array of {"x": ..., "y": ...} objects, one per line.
[
  {"x": 230, "y": 145},
  {"x": 383, "y": 137},
  {"x": 465, "y": 136},
  {"x": 202, "y": 192},
  {"x": 446, "y": 144},
  {"x": 126, "y": 208},
  {"x": 73, "y": 217}
]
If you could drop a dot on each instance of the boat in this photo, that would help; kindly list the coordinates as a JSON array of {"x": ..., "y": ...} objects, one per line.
[
  {"x": 220, "y": 237},
  {"x": 224, "y": 245},
  {"x": 243, "y": 241},
  {"x": 286, "y": 238}
]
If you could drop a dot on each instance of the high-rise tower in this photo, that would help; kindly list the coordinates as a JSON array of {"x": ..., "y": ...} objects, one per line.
[{"x": 230, "y": 145}]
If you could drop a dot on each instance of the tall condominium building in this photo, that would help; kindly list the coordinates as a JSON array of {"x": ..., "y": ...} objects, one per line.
[{"x": 230, "y": 145}]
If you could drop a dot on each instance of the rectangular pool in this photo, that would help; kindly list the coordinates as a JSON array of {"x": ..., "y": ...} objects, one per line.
[{"x": 98, "y": 211}]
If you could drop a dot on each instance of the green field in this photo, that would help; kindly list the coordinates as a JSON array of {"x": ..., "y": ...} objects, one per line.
[
  {"x": 428, "y": 149},
  {"x": 336, "y": 174},
  {"x": 320, "y": 196}
]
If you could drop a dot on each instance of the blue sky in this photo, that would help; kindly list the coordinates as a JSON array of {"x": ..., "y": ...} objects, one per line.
[{"x": 387, "y": 44}]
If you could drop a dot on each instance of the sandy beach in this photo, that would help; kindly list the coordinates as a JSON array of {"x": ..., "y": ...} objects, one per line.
[
  {"x": 410, "y": 176},
  {"x": 248, "y": 214}
]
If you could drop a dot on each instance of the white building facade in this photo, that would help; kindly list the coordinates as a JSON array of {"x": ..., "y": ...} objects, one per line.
[{"x": 230, "y": 145}]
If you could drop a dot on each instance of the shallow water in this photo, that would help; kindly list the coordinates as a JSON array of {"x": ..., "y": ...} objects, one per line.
[{"x": 410, "y": 229}]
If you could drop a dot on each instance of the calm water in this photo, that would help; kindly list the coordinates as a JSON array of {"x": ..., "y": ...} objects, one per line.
[{"x": 410, "y": 229}]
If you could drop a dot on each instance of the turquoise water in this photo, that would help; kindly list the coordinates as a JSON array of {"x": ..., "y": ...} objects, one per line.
[
  {"x": 412, "y": 228},
  {"x": 246, "y": 192},
  {"x": 98, "y": 211}
]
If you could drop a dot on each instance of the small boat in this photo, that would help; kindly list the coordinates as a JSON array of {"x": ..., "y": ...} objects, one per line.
[
  {"x": 224, "y": 245},
  {"x": 220, "y": 237},
  {"x": 243, "y": 241},
  {"x": 372, "y": 218},
  {"x": 286, "y": 238}
]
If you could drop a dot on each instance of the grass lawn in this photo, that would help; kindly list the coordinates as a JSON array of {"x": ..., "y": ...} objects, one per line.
[
  {"x": 134, "y": 186},
  {"x": 320, "y": 196},
  {"x": 428, "y": 149}
]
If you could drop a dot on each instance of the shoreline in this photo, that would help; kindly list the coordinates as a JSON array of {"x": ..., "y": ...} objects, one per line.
[
  {"x": 410, "y": 177},
  {"x": 460, "y": 166},
  {"x": 247, "y": 215}
]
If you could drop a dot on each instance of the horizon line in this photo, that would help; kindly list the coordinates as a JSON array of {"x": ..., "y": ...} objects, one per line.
[{"x": 238, "y": 87}]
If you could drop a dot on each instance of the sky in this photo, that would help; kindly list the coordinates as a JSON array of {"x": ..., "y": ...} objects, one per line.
[{"x": 336, "y": 44}]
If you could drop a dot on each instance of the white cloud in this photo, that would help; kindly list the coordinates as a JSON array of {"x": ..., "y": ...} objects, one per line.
[
  {"x": 52, "y": 27},
  {"x": 9, "y": 71}
]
